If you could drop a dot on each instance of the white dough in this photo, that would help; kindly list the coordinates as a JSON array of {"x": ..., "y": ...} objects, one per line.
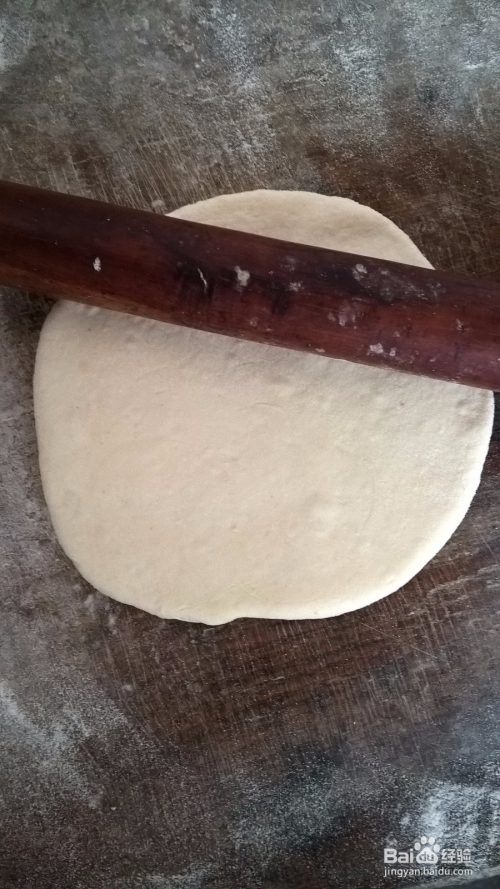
[{"x": 205, "y": 478}]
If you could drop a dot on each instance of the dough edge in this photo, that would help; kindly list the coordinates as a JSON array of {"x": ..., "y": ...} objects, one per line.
[{"x": 225, "y": 614}]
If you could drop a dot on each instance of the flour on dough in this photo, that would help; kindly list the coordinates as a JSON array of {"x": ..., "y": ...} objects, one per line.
[{"x": 205, "y": 478}]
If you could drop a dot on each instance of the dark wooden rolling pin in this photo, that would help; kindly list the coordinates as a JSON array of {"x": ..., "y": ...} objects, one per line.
[{"x": 256, "y": 288}]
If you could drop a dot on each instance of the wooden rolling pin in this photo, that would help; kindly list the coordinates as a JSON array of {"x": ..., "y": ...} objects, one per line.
[{"x": 256, "y": 288}]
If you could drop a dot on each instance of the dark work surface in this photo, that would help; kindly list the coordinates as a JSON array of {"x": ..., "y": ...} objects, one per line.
[
  {"x": 146, "y": 754},
  {"x": 487, "y": 883}
]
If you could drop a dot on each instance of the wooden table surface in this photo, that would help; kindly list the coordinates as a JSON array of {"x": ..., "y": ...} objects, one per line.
[{"x": 146, "y": 754}]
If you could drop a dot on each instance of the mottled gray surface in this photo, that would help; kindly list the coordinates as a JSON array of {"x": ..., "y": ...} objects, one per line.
[{"x": 141, "y": 754}]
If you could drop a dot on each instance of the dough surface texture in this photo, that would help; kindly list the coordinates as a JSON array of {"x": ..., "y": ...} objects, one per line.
[{"x": 204, "y": 478}]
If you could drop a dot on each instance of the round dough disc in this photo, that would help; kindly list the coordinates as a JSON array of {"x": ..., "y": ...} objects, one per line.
[{"x": 205, "y": 478}]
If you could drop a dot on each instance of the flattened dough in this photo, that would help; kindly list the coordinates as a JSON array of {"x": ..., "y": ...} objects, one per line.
[{"x": 203, "y": 478}]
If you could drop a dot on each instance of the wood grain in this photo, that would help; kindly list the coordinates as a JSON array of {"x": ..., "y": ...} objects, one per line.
[
  {"x": 137, "y": 753},
  {"x": 336, "y": 304}
]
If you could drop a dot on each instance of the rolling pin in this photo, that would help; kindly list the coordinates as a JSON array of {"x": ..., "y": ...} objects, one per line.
[{"x": 334, "y": 304}]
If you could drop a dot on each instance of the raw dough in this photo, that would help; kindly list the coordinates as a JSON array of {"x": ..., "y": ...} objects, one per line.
[{"x": 203, "y": 478}]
